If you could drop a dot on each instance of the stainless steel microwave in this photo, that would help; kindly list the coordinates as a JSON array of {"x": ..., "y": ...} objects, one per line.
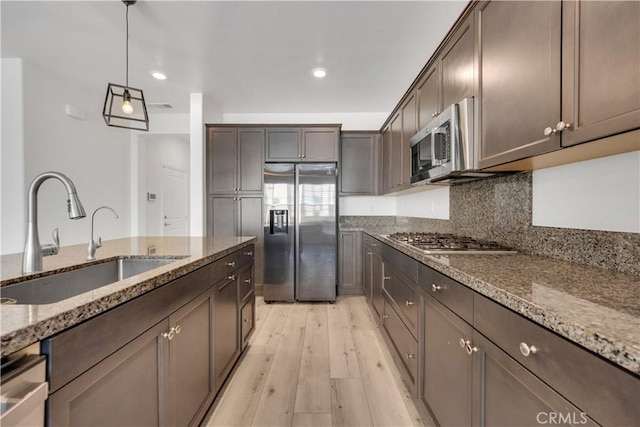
[{"x": 443, "y": 151}]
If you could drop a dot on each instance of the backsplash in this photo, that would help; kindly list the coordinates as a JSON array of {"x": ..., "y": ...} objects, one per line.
[{"x": 499, "y": 209}]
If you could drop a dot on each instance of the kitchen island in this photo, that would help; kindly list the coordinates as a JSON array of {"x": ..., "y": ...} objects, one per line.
[{"x": 23, "y": 325}]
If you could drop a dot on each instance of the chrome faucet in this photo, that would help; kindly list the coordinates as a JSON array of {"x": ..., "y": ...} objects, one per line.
[
  {"x": 93, "y": 245},
  {"x": 33, "y": 250}
]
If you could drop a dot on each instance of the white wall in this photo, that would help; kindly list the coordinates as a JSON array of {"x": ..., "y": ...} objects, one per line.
[
  {"x": 367, "y": 206},
  {"x": 600, "y": 194},
  {"x": 12, "y": 202},
  {"x": 349, "y": 121},
  {"x": 425, "y": 204},
  {"x": 94, "y": 156}
]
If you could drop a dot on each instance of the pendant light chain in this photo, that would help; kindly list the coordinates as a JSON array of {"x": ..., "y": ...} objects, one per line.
[{"x": 127, "y": 49}]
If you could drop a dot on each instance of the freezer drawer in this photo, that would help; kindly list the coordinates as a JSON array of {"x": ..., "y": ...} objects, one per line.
[{"x": 24, "y": 391}]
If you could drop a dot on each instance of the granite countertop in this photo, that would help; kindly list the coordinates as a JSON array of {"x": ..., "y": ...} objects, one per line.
[
  {"x": 23, "y": 325},
  {"x": 593, "y": 307}
]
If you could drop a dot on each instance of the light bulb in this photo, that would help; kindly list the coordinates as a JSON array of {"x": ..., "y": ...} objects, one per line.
[{"x": 127, "y": 108}]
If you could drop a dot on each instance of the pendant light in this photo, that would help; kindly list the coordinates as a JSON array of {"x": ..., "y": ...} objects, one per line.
[{"x": 124, "y": 106}]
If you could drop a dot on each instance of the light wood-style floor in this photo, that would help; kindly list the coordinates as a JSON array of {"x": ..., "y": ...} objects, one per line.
[{"x": 315, "y": 365}]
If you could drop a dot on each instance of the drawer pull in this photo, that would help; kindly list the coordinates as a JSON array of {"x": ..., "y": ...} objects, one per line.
[
  {"x": 410, "y": 356},
  {"x": 230, "y": 264},
  {"x": 463, "y": 343},
  {"x": 369, "y": 253},
  {"x": 178, "y": 329},
  {"x": 527, "y": 349},
  {"x": 436, "y": 288},
  {"x": 385, "y": 316},
  {"x": 247, "y": 280},
  {"x": 246, "y": 320},
  {"x": 170, "y": 334},
  {"x": 375, "y": 245},
  {"x": 232, "y": 277},
  {"x": 250, "y": 253},
  {"x": 387, "y": 277},
  {"x": 409, "y": 303}
]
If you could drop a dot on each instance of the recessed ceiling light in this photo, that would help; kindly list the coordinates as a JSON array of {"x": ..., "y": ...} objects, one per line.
[
  {"x": 158, "y": 75},
  {"x": 319, "y": 72}
]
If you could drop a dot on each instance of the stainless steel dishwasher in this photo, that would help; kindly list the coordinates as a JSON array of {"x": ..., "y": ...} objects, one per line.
[{"x": 23, "y": 391}]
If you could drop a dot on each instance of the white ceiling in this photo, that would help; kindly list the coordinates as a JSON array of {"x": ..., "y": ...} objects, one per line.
[{"x": 246, "y": 57}]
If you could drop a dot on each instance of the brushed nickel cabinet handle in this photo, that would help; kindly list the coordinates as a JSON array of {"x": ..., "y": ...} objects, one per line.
[
  {"x": 527, "y": 349},
  {"x": 170, "y": 334},
  {"x": 436, "y": 288},
  {"x": 387, "y": 277},
  {"x": 471, "y": 349},
  {"x": 246, "y": 320},
  {"x": 230, "y": 264},
  {"x": 409, "y": 303},
  {"x": 247, "y": 280},
  {"x": 232, "y": 277},
  {"x": 250, "y": 253},
  {"x": 410, "y": 356},
  {"x": 562, "y": 126},
  {"x": 463, "y": 343},
  {"x": 549, "y": 131}
]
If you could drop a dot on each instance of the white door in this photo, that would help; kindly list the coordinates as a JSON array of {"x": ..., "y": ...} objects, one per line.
[{"x": 174, "y": 202}]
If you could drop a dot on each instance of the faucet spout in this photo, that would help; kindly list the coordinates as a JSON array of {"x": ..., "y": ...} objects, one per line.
[
  {"x": 94, "y": 245},
  {"x": 33, "y": 251}
]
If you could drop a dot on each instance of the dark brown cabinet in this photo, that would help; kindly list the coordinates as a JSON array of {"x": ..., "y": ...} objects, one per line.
[
  {"x": 402, "y": 342},
  {"x": 306, "y": 144},
  {"x": 519, "y": 88},
  {"x": 392, "y": 162},
  {"x": 600, "y": 69},
  {"x": 372, "y": 275},
  {"x": 359, "y": 152},
  {"x": 428, "y": 95},
  {"x": 226, "y": 331},
  {"x": 237, "y": 216},
  {"x": 234, "y": 160},
  {"x": 124, "y": 389},
  {"x": 191, "y": 363},
  {"x": 409, "y": 127},
  {"x": 350, "y": 263},
  {"x": 156, "y": 360}
]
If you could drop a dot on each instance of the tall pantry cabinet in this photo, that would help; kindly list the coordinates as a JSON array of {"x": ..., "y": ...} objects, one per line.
[{"x": 235, "y": 162}]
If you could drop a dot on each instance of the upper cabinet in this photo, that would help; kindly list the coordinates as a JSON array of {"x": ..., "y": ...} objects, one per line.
[
  {"x": 359, "y": 153},
  {"x": 234, "y": 160},
  {"x": 307, "y": 144},
  {"x": 600, "y": 69},
  {"x": 519, "y": 69},
  {"x": 558, "y": 74}
]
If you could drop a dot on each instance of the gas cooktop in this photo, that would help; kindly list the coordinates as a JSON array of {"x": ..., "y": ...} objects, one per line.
[{"x": 441, "y": 244}]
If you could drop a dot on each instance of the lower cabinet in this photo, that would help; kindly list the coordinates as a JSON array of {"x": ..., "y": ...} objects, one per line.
[
  {"x": 190, "y": 337},
  {"x": 372, "y": 274},
  {"x": 124, "y": 389},
  {"x": 226, "y": 332},
  {"x": 350, "y": 263}
]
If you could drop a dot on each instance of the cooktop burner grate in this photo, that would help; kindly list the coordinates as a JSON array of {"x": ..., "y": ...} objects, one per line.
[{"x": 436, "y": 243}]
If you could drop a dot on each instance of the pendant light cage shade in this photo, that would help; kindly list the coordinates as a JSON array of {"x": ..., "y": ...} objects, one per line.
[{"x": 112, "y": 111}]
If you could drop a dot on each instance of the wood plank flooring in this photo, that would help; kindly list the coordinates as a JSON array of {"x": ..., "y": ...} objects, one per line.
[{"x": 315, "y": 365}]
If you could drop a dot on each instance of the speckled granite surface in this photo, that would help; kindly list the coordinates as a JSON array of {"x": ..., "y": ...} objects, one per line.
[
  {"x": 23, "y": 325},
  {"x": 593, "y": 307}
]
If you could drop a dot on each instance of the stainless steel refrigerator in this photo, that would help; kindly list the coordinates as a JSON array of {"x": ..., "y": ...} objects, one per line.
[{"x": 300, "y": 232}]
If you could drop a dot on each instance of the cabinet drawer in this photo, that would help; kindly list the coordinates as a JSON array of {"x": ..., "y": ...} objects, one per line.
[
  {"x": 455, "y": 296},
  {"x": 247, "y": 321},
  {"x": 246, "y": 284},
  {"x": 373, "y": 243},
  {"x": 246, "y": 254},
  {"x": 606, "y": 393},
  {"x": 403, "y": 293},
  {"x": 404, "y": 343},
  {"x": 402, "y": 262}
]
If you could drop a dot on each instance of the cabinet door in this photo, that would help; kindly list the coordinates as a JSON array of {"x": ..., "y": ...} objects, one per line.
[
  {"x": 428, "y": 96},
  {"x": 222, "y": 163},
  {"x": 376, "y": 283},
  {"x": 600, "y": 69},
  {"x": 446, "y": 368},
  {"x": 409, "y": 128},
  {"x": 386, "y": 159},
  {"x": 507, "y": 394},
  {"x": 367, "y": 271},
  {"x": 320, "y": 144},
  {"x": 350, "y": 264},
  {"x": 251, "y": 159},
  {"x": 251, "y": 225},
  {"x": 519, "y": 66},
  {"x": 457, "y": 65},
  {"x": 227, "y": 342},
  {"x": 283, "y": 144},
  {"x": 404, "y": 344},
  {"x": 397, "y": 160},
  {"x": 126, "y": 388},
  {"x": 222, "y": 217},
  {"x": 247, "y": 320},
  {"x": 358, "y": 160},
  {"x": 191, "y": 360}
]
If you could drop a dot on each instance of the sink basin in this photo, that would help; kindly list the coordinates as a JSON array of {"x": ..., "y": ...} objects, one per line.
[{"x": 56, "y": 287}]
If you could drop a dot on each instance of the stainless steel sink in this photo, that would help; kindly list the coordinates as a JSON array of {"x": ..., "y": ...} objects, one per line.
[{"x": 56, "y": 287}]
